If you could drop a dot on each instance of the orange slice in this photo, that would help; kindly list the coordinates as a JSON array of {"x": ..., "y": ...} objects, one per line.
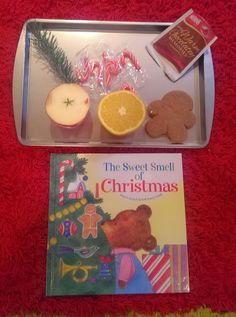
[{"x": 121, "y": 112}]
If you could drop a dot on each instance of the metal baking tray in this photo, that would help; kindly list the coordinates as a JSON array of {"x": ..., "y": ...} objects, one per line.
[{"x": 32, "y": 83}]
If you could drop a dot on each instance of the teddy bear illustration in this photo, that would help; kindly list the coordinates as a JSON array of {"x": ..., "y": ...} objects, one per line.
[{"x": 128, "y": 232}]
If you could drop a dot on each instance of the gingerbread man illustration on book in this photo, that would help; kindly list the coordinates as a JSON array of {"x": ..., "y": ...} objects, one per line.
[
  {"x": 128, "y": 232},
  {"x": 90, "y": 220}
]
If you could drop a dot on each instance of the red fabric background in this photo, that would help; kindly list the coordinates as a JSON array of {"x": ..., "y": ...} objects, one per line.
[{"x": 209, "y": 174}]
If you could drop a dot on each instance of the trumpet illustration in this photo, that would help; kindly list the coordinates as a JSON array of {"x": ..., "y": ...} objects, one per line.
[{"x": 66, "y": 268}]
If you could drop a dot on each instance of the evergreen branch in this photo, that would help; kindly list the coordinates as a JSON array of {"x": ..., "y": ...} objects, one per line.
[
  {"x": 47, "y": 48},
  {"x": 91, "y": 199},
  {"x": 80, "y": 166},
  {"x": 105, "y": 215}
]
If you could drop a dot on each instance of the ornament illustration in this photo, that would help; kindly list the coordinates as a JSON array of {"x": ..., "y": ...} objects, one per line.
[
  {"x": 105, "y": 270},
  {"x": 83, "y": 252},
  {"x": 67, "y": 228}
]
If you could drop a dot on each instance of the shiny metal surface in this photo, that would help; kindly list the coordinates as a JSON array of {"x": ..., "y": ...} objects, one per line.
[{"x": 32, "y": 83}]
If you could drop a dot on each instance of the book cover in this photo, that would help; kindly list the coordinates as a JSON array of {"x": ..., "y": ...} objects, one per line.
[{"x": 116, "y": 225}]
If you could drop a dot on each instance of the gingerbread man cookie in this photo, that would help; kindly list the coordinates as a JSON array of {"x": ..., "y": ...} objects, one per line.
[
  {"x": 89, "y": 221},
  {"x": 171, "y": 116}
]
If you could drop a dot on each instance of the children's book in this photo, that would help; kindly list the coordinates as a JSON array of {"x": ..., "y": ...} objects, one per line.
[{"x": 116, "y": 225}]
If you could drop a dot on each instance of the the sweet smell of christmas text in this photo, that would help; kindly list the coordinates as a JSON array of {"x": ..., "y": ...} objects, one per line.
[{"x": 137, "y": 183}]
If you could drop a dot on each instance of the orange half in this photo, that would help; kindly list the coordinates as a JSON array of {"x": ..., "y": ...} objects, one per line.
[{"x": 121, "y": 112}]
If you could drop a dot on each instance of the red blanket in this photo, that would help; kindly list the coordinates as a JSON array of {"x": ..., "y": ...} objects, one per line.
[{"x": 209, "y": 174}]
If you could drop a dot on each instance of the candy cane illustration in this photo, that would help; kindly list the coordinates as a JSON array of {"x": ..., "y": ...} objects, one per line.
[
  {"x": 83, "y": 75},
  {"x": 127, "y": 54},
  {"x": 63, "y": 164}
]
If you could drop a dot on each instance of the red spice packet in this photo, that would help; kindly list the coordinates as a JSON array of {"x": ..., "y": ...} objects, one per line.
[{"x": 178, "y": 47}]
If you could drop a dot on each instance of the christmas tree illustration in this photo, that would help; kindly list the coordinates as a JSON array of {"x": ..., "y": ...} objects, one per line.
[{"x": 79, "y": 256}]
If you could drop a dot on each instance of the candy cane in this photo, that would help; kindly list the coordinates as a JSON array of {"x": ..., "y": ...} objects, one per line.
[
  {"x": 127, "y": 86},
  {"x": 83, "y": 76},
  {"x": 99, "y": 66},
  {"x": 112, "y": 67},
  {"x": 127, "y": 54},
  {"x": 62, "y": 179}
]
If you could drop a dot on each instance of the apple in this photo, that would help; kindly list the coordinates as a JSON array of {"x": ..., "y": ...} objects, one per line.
[{"x": 67, "y": 105}]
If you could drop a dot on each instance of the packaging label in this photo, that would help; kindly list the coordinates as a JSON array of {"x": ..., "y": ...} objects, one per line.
[{"x": 183, "y": 43}]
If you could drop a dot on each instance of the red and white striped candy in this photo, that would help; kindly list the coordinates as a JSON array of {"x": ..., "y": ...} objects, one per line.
[
  {"x": 83, "y": 75},
  {"x": 97, "y": 65},
  {"x": 128, "y": 55},
  {"x": 127, "y": 86},
  {"x": 63, "y": 164},
  {"x": 112, "y": 67}
]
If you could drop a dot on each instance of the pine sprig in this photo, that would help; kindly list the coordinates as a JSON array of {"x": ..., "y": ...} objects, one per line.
[
  {"x": 79, "y": 166},
  {"x": 46, "y": 45},
  {"x": 91, "y": 199}
]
